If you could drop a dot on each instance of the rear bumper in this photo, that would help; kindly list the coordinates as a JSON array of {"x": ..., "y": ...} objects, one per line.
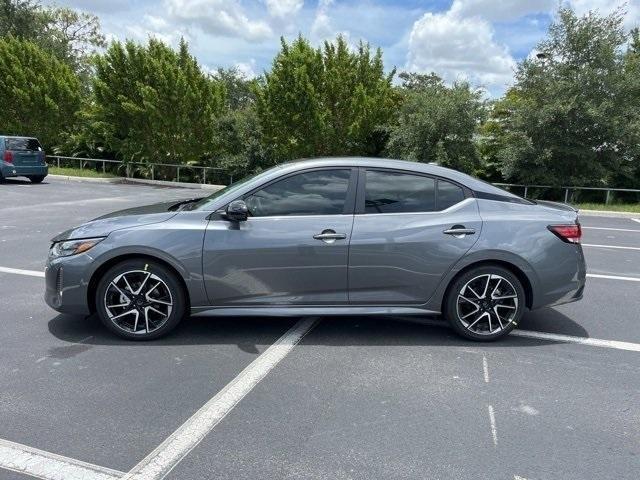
[
  {"x": 10, "y": 170},
  {"x": 565, "y": 281}
]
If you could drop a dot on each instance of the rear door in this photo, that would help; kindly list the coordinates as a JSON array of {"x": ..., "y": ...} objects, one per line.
[
  {"x": 26, "y": 151},
  {"x": 408, "y": 231}
]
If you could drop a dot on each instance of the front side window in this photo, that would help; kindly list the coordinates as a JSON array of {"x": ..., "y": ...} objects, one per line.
[
  {"x": 318, "y": 192},
  {"x": 394, "y": 192}
]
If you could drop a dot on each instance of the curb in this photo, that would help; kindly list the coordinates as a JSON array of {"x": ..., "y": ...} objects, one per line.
[
  {"x": 139, "y": 181},
  {"x": 607, "y": 213},
  {"x": 87, "y": 179}
]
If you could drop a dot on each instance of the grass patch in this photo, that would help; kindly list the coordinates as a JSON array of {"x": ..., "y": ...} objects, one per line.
[
  {"x": 612, "y": 207},
  {"x": 79, "y": 172}
]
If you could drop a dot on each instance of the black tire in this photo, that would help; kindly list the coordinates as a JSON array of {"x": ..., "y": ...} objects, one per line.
[
  {"x": 171, "y": 291},
  {"x": 471, "y": 285},
  {"x": 36, "y": 178}
]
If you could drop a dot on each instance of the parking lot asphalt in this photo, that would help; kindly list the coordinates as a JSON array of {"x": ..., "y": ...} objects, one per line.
[{"x": 356, "y": 398}]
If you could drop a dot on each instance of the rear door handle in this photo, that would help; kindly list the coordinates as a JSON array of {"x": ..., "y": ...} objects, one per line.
[
  {"x": 330, "y": 236},
  {"x": 459, "y": 231}
]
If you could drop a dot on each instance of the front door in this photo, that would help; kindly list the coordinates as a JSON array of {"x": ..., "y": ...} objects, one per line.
[
  {"x": 292, "y": 250},
  {"x": 406, "y": 235}
]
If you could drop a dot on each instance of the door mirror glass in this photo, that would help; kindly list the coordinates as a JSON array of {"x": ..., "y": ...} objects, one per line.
[{"x": 237, "y": 211}]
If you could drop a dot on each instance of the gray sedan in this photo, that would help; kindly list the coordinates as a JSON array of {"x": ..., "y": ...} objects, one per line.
[{"x": 330, "y": 236}]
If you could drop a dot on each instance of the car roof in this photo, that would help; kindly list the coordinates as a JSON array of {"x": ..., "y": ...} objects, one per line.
[{"x": 389, "y": 163}]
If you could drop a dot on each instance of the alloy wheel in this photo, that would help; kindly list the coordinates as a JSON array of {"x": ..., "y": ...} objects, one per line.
[
  {"x": 487, "y": 304},
  {"x": 138, "y": 302}
]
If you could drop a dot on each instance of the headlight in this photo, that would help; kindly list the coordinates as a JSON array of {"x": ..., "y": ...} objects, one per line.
[{"x": 73, "y": 247}]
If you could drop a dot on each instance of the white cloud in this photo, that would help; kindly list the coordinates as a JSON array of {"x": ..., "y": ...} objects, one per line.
[
  {"x": 457, "y": 48},
  {"x": 503, "y": 10},
  {"x": 218, "y": 18},
  {"x": 283, "y": 8},
  {"x": 605, "y": 7},
  {"x": 248, "y": 69},
  {"x": 321, "y": 27}
]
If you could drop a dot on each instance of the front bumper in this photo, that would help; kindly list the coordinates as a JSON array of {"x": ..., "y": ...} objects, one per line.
[
  {"x": 67, "y": 284},
  {"x": 10, "y": 170}
]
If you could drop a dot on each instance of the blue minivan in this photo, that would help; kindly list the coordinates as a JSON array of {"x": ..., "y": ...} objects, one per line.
[{"x": 22, "y": 157}]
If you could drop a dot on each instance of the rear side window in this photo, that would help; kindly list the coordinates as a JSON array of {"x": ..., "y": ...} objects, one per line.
[
  {"x": 448, "y": 194},
  {"x": 22, "y": 144},
  {"x": 394, "y": 192},
  {"x": 319, "y": 192}
]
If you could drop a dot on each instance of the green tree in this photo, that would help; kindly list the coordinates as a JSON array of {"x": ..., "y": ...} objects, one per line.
[
  {"x": 238, "y": 129},
  {"x": 571, "y": 106},
  {"x": 152, "y": 103},
  {"x": 437, "y": 123},
  {"x": 39, "y": 94},
  {"x": 70, "y": 35},
  {"x": 325, "y": 101}
]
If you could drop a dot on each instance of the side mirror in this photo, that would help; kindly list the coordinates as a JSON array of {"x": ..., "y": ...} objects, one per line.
[{"x": 237, "y": 211}]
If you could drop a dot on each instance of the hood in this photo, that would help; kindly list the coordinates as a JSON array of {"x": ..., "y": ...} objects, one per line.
[{"x": 130, "y": 217}]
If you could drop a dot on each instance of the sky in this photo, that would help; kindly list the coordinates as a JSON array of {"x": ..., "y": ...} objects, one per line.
[{"x": 476, "y": 40}]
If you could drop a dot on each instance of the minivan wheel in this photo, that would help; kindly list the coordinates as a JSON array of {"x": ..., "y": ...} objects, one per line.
[
  {"x": 140, "y": 300},
  {"x": 485, "y": 303},
  {"x": 36, "y": 178}
]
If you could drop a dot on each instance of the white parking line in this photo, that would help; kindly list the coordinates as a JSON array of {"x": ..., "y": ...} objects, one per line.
[
  {"x": 49, "y": 466},
  {"x": 610, "y": 246},
  {"x": 19, "y": 271},
  {"x": 485, "y": 368},
  {"x": 494, "y": 429},
  {"x": 170, "y": 452},
  {"x": 612, "y": 229},
  {"x": 594, "y": 342},
  {"x": 636, "y": 220},
  {"x": 36, "y": 273},
  {"x": 614, "y": 277}
]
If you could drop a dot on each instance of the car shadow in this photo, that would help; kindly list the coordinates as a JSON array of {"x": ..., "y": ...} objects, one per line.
[
  {"x": 20, "y": 181},
  {"x": 247, "y": 332}
]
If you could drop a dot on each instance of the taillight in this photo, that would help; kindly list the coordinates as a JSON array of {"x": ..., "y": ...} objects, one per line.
[
  {"x": 571, "y": 233},
  {"x": 8, "y": 156}
]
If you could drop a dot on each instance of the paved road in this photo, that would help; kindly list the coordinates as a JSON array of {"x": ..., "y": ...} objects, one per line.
[{"x": 357, "y": 398}]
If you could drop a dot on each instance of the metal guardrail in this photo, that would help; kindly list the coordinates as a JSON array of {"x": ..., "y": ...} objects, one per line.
[
  {"x": 202, "y": 177},
  {"x": 153, "y": 167},
  {"x": 570, "y": 189}
]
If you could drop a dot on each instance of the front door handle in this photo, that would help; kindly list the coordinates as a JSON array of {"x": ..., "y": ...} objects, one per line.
[
  {"x": 330, "y": 236},
  {"x": 459, "y": 231}
]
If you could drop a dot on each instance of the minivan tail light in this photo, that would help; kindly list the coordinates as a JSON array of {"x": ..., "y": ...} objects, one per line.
[
  {"x": 8, "y": 156},
  {"x": 571, "y": 233}
]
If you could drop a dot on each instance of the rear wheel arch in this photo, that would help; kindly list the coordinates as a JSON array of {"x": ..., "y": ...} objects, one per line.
[
  {"x": 517, "y": 271},
  {"x": 103, "y": 268}
]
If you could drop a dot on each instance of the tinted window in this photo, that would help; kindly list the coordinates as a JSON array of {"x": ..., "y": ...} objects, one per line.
[
  {"x": 391, "y": 192},
  {"x": 24, "y": 144},
  {"x": 321, "y": 192},
  {"x": 448, "y": 194}
]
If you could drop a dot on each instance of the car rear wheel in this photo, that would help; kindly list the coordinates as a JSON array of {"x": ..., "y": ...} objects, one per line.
[
  {"x": 36, "y": 178},
  {"x": 140, "y": 300},
  {"x": 485, "y": 303}
]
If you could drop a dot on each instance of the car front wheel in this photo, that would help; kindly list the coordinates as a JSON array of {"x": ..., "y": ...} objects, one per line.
[
  {"x": 485, "y": 303},
  {"x": 140, "y": 300}
]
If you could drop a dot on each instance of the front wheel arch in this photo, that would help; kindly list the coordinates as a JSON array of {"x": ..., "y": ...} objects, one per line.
[{"x": 102, "y": 269}]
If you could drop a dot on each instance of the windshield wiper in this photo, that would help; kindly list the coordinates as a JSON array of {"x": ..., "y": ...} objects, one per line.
[{"x": 180, "y": 205}]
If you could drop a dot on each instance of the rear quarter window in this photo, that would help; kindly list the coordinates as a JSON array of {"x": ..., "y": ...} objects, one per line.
[
  {"x": 23, "y": 144},
  {"x": 448, "y": 194}
]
